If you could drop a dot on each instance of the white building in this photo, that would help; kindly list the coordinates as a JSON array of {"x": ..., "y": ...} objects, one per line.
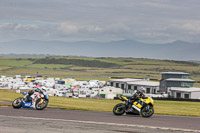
[
  {"x": 122, "y": 83},
  {"x": 151, "y": 87},
  {"x": 188, "y": 93},
  {"x": 134, "y": 84}
]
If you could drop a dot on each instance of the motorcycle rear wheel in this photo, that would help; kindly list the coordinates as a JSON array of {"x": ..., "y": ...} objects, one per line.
[
  {"x": 119, "y": 109},
  {"x": 147, "y": 111},
  {"x": 16, "y": 104},
  {"x": 39, "y": 105}
]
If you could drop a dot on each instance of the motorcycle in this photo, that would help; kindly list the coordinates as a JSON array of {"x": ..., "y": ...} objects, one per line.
[
  {"x": 143, "y": 106},
  {"x": 38, "y": 100}
]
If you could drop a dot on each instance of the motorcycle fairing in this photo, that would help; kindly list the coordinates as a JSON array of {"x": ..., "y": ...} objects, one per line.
[{"x": 27, "y": 104}]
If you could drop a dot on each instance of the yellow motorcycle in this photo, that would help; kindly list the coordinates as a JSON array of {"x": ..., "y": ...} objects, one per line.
[{"x": 143, "y": 105}]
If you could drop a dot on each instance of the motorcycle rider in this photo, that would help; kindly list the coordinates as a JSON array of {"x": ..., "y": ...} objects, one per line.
[
  {"x": 28, "y": 96},
  {"x": 139, "y": 94}
]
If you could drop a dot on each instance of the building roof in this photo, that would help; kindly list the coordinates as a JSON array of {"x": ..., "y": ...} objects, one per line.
[
  {"x": 180, "y": 79},
  {"x": 193, "y": 89},
  {"x": 144, "y": 83},
  {"x": 175, "y": 73},
  {"x": 124, "y": 80}
]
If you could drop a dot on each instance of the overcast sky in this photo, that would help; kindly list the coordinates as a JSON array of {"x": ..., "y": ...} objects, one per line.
[{"x": 151, "y": 21}]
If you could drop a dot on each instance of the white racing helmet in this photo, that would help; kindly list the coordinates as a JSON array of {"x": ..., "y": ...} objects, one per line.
[{"x": 142, "y": 89}]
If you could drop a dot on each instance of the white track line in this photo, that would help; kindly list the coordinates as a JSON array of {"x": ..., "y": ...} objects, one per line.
[{"x": 104, "y": 123}]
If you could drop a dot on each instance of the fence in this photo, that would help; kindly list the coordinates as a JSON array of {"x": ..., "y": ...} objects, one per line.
[
  {"x": 170, "y": 99},
  {"x": 176, "y": 99}
]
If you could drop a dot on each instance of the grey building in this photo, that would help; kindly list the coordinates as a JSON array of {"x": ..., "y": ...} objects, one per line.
[{"x": 175, "y": 79}]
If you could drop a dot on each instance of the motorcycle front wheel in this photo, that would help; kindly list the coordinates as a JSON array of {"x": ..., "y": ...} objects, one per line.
[
  {"x": 16, "y": 104},
  {"x": 41, "y": 104},
  {"x": 147, "y": 111},
  {"x": 119, "y": 109}
]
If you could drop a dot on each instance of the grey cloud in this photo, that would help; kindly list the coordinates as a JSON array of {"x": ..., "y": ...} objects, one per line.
[
  {"x": 68, "y": 28},
  {"x": 101, "y": 20}
]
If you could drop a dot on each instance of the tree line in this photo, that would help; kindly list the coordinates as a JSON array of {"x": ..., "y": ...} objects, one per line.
[{"x": 77, "y": 62}]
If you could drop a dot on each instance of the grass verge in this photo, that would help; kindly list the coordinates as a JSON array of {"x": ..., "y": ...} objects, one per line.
[{"x": 161, "y": 107}]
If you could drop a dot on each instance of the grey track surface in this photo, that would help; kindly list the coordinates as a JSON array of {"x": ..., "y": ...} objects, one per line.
[{"x": 57, "y": 120}]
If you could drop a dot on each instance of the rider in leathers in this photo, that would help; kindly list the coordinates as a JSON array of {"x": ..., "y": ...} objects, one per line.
[
  {"x": 139, "y": 94},
  {"x": 31, "y": 92}
]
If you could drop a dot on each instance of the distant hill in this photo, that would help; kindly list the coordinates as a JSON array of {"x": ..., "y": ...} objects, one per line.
[
  {"x": 25, "y": 55},
  {"x": 178, "y": 50},
  {"x": 194, "y": 61}
]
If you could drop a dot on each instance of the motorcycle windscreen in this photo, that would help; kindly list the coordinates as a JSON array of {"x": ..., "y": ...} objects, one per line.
[{"x": 26, "y": 104}]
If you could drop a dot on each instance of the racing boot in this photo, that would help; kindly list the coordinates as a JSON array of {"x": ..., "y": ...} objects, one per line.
[{"x": 129, "y": 106}]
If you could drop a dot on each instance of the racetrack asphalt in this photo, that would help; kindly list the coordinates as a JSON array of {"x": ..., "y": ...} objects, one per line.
[{"x": 156, "y": 122}]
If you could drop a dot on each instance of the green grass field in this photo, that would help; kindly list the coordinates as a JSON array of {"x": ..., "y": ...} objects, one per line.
[
  {"x": 15, "y": 63},
  {"x": 126, "y": 67},
  {"x": 161, "y": 107}
]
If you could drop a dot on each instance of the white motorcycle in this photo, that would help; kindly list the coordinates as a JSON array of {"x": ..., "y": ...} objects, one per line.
[{"x": 38, "y": 100}]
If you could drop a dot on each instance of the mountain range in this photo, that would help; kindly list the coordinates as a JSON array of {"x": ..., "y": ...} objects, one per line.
[{"x": 177, "y": 50}]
